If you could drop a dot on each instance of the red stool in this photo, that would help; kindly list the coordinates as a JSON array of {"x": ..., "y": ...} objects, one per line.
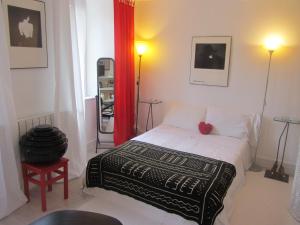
[{"x": 46, "y": 179}]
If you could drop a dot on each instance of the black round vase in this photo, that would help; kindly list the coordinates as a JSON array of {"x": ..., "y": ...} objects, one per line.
[{"x": 43, "y": 144}]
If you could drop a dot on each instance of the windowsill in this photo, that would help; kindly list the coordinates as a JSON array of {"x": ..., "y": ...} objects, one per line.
[{"x": 88, "y": 98}]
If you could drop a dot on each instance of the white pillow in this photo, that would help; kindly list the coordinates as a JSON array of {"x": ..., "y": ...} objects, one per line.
[
  {"x": 185, "y": 116},
  {"x": 229, "y": 123}
]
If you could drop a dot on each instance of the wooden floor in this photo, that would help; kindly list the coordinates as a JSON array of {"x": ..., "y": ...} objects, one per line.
[{"x": 261, "y": 202}]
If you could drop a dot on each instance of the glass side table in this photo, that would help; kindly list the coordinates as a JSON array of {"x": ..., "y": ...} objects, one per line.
[
  {"x": 150, "y": 103},
  {"x": 280, "y": 173}
]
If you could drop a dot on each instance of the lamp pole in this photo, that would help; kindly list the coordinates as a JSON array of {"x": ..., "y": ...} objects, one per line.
[
  {"x": 138, "y": 95},
  {"x": 255, "y": 167}
]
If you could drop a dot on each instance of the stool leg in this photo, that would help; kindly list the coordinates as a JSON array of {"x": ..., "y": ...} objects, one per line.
[
  {"x": 66, "y": 191},
  {"x": 49, "y": 177},
  {"x": 26, "y": 182},
  {"x": 43, "y": 191}
]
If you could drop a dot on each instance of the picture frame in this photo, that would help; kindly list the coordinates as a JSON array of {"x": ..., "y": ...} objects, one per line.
[
  {"x": 210, "y": 60},
  {"x": 26, "y": 33}
]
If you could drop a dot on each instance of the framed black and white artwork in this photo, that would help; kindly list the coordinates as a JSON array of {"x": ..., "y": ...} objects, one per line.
[
  {"x": 26, "y": 33},
  {"x": 210, "y": 60}
]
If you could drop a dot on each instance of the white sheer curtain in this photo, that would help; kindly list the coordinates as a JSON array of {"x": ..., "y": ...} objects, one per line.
[
  {"x": 295, "y": 198},
  {"x": 11, "y": 195},
  {"x": 70, "y": 42}
]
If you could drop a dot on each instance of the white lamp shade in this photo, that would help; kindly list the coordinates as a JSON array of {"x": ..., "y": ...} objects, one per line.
[{"x": 272, "y": 43}]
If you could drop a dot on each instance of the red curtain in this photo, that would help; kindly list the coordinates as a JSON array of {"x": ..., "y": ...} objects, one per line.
[{"x": 124, "y": 70}]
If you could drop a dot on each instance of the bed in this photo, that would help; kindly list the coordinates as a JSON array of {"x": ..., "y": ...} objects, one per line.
[{"x": 232, "y": 149}]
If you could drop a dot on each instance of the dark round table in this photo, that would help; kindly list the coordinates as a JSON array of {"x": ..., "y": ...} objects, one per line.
[{"x": 75, "y": 217}]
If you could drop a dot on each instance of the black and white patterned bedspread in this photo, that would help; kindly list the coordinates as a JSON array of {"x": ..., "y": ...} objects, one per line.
[{"x": 189, "y": 185}]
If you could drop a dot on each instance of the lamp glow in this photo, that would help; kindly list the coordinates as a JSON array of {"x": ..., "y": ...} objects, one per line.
[
  {"x": 272, "y": 43},
  {"x": 141, "y": 47}
]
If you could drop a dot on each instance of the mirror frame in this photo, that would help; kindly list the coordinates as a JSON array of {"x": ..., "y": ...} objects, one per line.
[{"x": 98, "y": 96}]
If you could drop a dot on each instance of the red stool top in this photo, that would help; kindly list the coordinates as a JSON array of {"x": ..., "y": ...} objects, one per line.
[{"x": 46, "y": 167}]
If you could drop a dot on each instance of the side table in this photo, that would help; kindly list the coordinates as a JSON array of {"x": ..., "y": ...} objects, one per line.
[
  {"x": 44, "y": 177},
  {"x": 150, "y": 111},
  {"x": 280, "y": 173}
]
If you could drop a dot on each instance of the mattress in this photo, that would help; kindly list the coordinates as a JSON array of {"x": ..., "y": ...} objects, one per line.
[{"x": 231, "y": 150}]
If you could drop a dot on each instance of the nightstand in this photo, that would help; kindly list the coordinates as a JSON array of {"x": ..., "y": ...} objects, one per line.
[{"x": 280, "y": 173}]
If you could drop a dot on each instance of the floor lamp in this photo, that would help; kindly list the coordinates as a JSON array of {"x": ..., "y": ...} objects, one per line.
[
  {"x": 271, "y": 44},
  {"x": 141, "y": 48}
]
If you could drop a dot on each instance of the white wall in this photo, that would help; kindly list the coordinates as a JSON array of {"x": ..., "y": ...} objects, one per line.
[
  {"x": 33, "y": 89},
  {"x": 169, "y": 27},
  {"x": 100, "y": 43},
  {"x": 100, "y": 38}
]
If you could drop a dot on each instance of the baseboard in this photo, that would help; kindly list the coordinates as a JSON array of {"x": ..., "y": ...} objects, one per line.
[{"x": 268, "y": 163}]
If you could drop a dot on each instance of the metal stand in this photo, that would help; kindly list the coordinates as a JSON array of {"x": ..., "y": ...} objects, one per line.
[
  {"x": 276, "y": 172},
  {"x": 150, "y": 111},
  {"x": 138, "y": 96},
  {"x": 255, "y": 167},
  {"x": 279, "y": 174}
]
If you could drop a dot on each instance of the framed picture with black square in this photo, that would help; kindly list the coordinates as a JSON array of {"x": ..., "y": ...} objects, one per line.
[
  {"x": 26, "y": 33},
  {"x": 210, "y": 60}
]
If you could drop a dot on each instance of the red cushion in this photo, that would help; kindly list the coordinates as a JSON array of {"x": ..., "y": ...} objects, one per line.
[{"x": 205, "y": 128}]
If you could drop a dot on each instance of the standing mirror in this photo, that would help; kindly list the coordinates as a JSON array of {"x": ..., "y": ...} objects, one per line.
[{"x": 105, "y": 96}]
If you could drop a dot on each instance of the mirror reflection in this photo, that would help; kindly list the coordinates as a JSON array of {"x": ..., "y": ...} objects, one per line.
[{"x": 105, "y": 98}]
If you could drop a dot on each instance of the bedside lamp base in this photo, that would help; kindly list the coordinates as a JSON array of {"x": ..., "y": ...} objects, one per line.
[{"x": 255, "y": 168}]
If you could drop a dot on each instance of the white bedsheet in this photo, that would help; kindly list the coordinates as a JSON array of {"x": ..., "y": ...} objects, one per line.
[{"x": 231, "y": 150}]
